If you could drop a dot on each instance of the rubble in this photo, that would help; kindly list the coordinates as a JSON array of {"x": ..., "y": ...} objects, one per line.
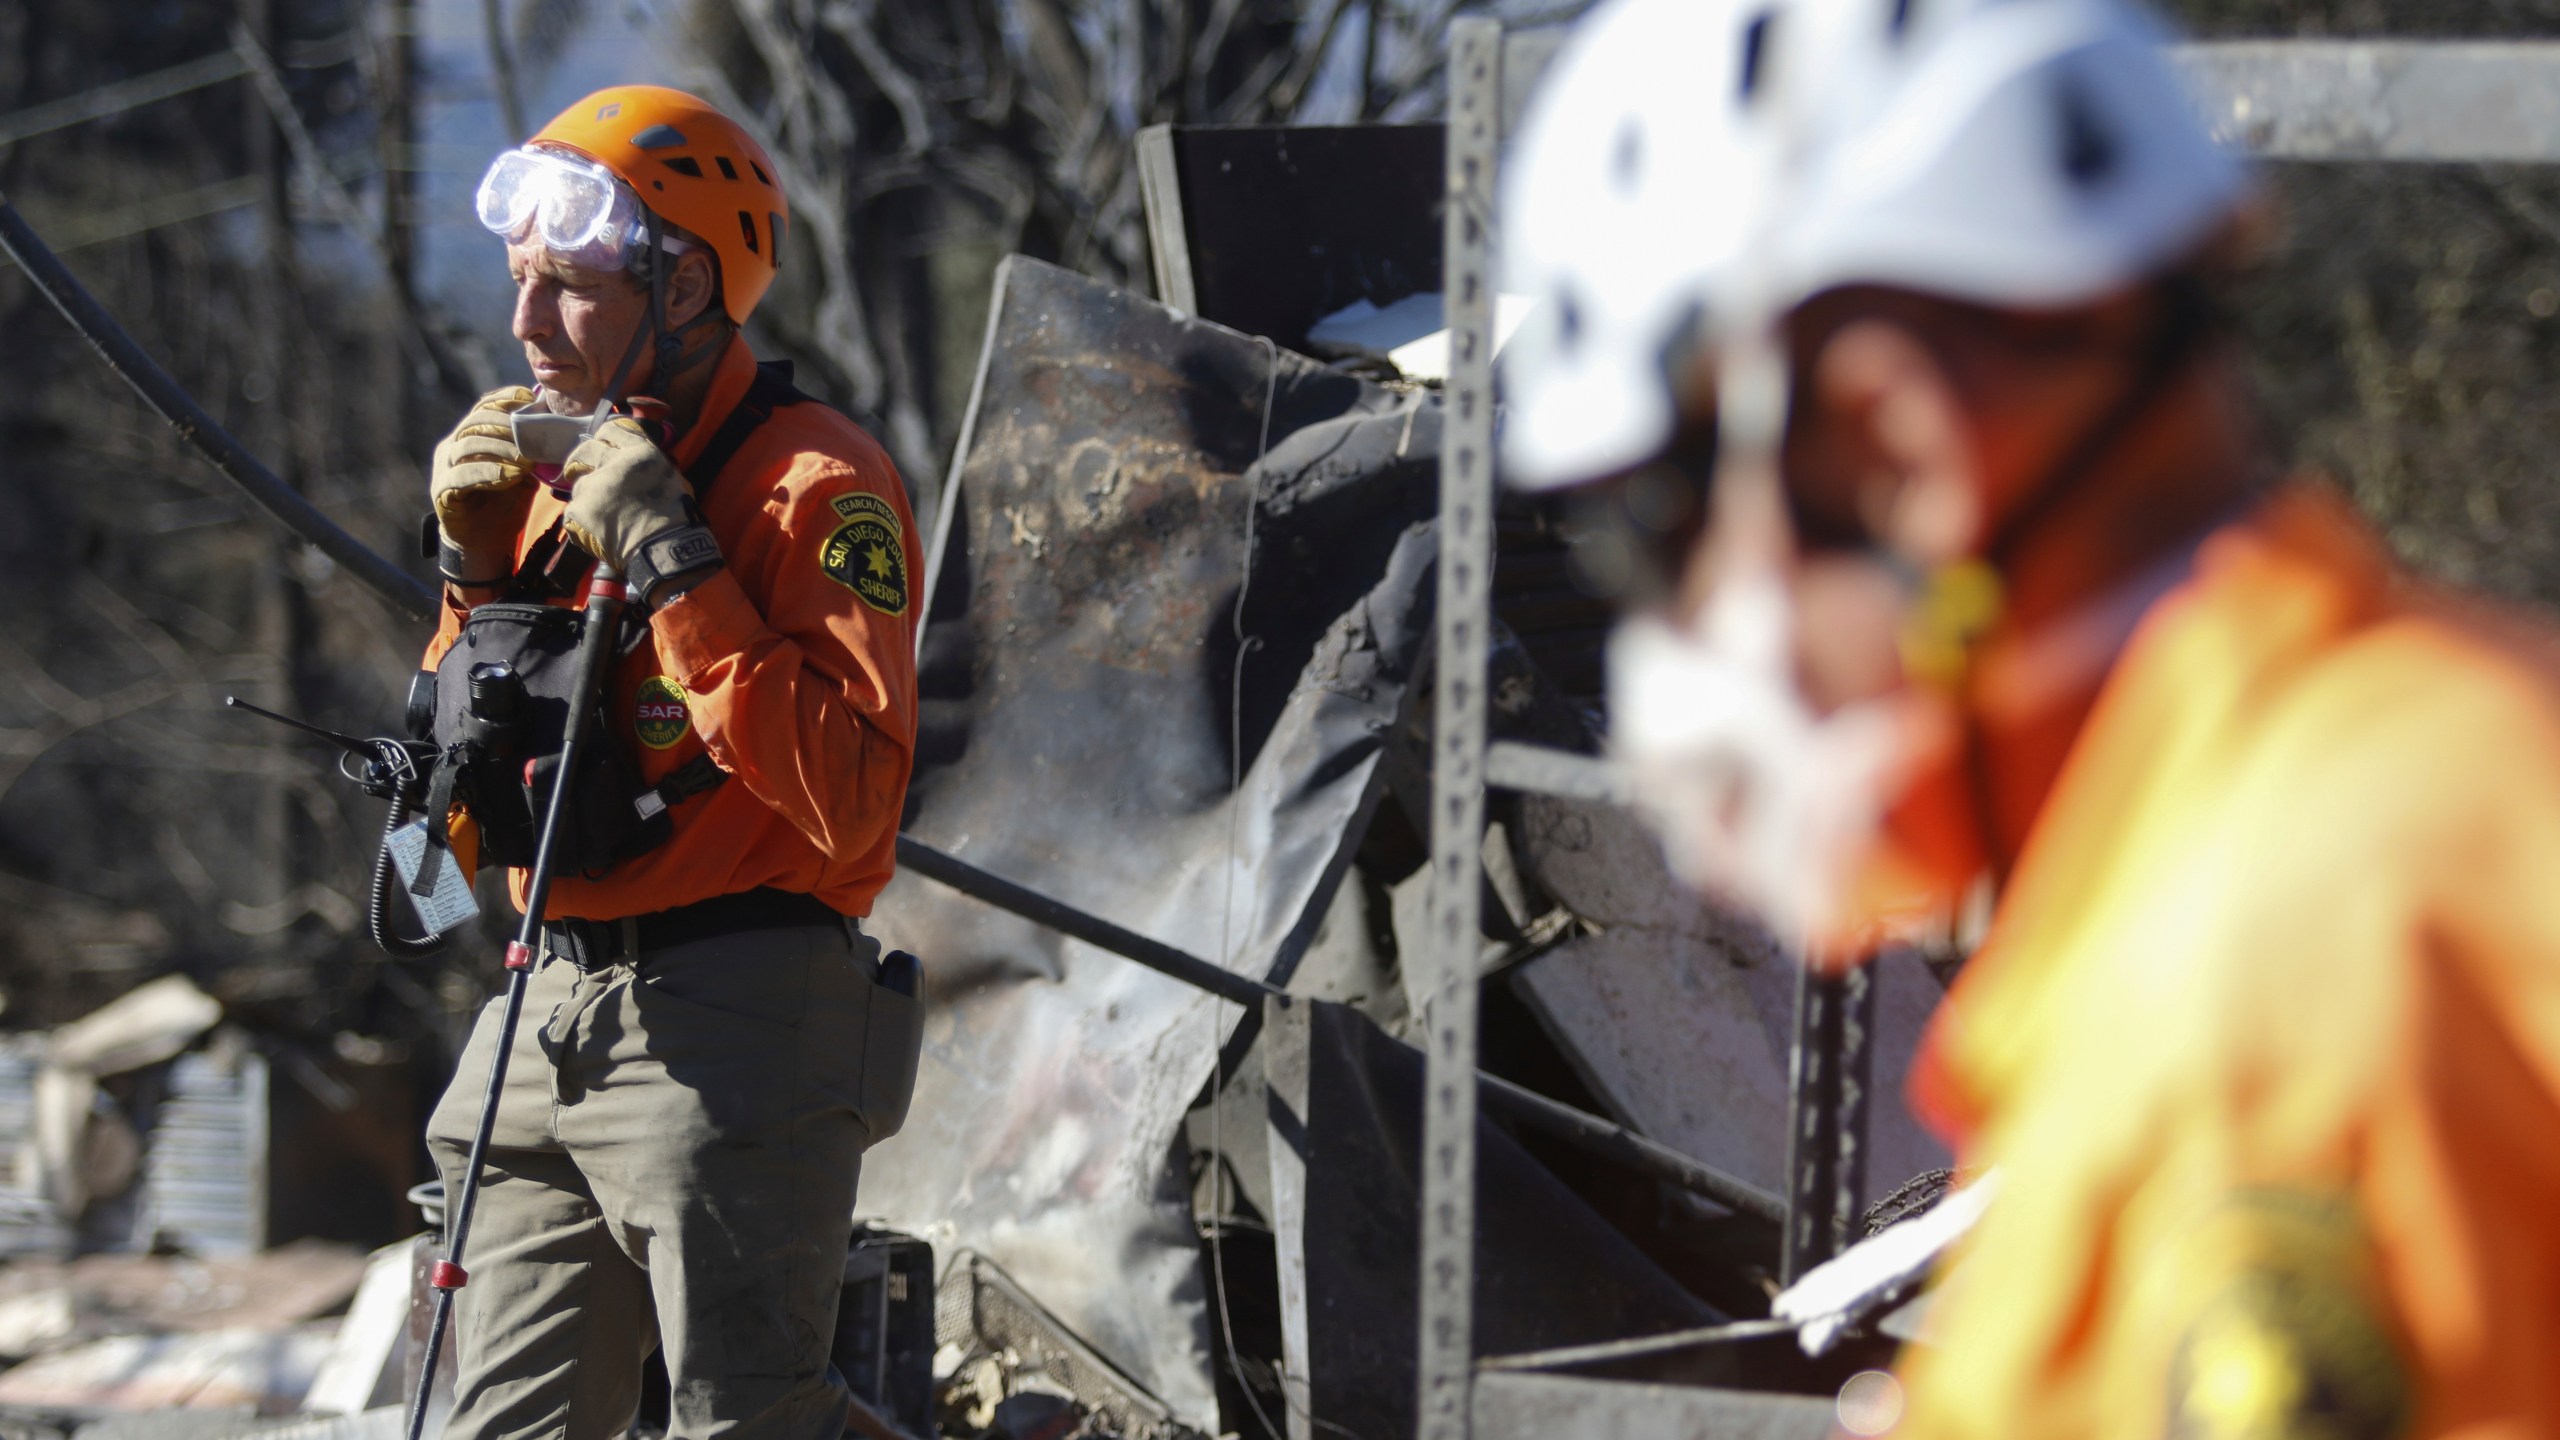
[
  {"x": 264, "y": 1370},
  {"x": 124, "y": 1333},
  {"x": 1092, "y": 658},
  {"x": 1177, "y": 619},
  {"x": 1181, "y": 595},
  {"x": 1079, "y": 659},
  {"x": 1660, "y": 973},
  {"x": 100, "y": 1295}
]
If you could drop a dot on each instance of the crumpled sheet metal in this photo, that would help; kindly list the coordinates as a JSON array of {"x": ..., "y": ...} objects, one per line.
[
  {"x": 1550, "y": 1271},
  {"x": 1680, "y": 1017},
  {"x": 1078, "y": 662}
]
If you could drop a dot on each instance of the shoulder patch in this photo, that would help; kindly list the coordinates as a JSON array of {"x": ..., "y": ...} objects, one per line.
[
  {"x": 867, "y": 551},
  {"x": 2284, "y": 1332}
]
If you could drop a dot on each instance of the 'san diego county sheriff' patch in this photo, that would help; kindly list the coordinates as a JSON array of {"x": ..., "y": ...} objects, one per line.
[
  {"x": 2284, "y": 1335},
  {"x": 867, "y": 553},
  {"x": 660, "y": 714}
]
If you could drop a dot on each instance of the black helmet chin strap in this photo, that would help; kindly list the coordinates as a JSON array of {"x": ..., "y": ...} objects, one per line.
[
  {"x": 669, "y": 341},
  {"x": 2178, "y": 335}
]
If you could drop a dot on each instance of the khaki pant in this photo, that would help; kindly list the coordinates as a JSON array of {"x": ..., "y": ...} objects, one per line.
[{"x": 673, "y": 1163}]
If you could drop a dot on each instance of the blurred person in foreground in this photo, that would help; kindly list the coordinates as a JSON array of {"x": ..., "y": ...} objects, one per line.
[
  {"x": 1877, "y": 339},
  {"x": 707, "y": 1049}
]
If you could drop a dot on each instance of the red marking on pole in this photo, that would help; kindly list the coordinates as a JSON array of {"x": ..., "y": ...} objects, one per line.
[
  {"x": 519, "y": 955},
  {"x": 613, "y": 590},
  {"x": 445, "y": 1275}
]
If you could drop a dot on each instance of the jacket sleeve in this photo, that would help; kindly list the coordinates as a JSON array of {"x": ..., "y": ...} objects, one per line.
[
  {"x": 449, "y": 615},
  {"x": 809, "y": 700}
]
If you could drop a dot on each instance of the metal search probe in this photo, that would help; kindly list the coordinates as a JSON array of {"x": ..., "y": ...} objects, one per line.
[{"x": 605, "y": 596}]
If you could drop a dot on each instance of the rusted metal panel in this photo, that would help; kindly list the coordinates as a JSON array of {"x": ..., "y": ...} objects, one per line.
[{"x": 1080, "y": 673}]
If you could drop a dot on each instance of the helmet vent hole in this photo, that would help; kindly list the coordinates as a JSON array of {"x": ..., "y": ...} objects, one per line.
[
  {"x": 727, "y": 170},
  {"x": 1898, "y": 24},
  {"x": 762, "y": 177},
  {"x": 1755, "y": 54},
  {"x": 747, "y": 227},
  {"x": 685, "y": 165},
  {"x": 2088, "y": 145},
  {"x": 1568, "y": 321},
  {"x": 1626, "y": 158},
  {"x": 658, "y": 137}
]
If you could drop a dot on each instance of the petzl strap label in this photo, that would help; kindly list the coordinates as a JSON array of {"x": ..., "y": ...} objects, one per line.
[{"x": 446, "y": 900}]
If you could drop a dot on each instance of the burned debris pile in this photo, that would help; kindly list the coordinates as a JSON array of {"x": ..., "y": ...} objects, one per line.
[
  {"x": 1164, "y": 856},
  {"x": 1175, "y": 674}
]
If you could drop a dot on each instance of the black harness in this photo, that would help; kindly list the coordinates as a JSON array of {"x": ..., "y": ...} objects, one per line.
[{"x": 496, "y": 706}]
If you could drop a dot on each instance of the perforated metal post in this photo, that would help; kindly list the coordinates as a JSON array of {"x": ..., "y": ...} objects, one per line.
[{"x": 1446, "y": 1360}]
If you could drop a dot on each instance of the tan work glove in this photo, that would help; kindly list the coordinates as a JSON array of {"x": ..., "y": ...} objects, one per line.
[
  {"x": 481, "y": 489},
  {"x": 627, "y": 508}
]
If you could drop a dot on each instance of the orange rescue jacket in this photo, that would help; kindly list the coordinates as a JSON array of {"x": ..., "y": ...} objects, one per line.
[
  {"x": 793, "y": 668},
  {"x": 2266, "y": 1034}
]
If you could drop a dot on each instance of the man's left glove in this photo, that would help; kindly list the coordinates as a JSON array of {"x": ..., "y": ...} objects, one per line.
[{"x": 627, "y": 508}]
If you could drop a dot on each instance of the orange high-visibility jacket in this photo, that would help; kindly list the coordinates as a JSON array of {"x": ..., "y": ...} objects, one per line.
[
  {"x": 794, "y": 668},
  {"x": 2266, "y": 1035}
]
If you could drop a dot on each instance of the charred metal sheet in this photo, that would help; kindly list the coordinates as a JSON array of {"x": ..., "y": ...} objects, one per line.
[
  {"x": 1537, "y": 1407},
  {"x": 980, "y": 1309},
  {"x": 1668, "y": 975},
  {"x": 1080, "y": 679},
  {"x": 1346, "y": 1147},
  {"x": 1270, "y": 228}
]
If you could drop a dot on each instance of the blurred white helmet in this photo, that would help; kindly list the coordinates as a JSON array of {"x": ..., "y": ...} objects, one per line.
[{"x": 1690, "y": 168}]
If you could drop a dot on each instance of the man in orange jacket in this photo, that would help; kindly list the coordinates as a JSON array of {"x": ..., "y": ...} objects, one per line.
[
  {"x": 708, "y": 1051},
  {"x": 1885, "y": 358}
]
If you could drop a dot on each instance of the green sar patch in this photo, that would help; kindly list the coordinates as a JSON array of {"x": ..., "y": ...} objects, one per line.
[
  {"x": 660, "y": 714},
  {"x": 867, "y": 554}
]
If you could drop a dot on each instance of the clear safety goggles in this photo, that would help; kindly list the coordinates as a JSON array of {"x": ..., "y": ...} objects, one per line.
[{"x": 574, "y": 206}]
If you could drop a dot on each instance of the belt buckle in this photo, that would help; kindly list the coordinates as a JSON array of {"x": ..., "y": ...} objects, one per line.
[
  {"x": 594, "y": 945},
  {"x": 573, "y": 940}
]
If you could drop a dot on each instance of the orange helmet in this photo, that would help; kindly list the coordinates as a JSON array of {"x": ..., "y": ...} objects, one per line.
[{"x": 693, "y": 167}]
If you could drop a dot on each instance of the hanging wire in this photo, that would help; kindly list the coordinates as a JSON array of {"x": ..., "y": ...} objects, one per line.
[
  {"x": 1219, "y": 1168},
  {"x": 1246, "y": 644}
]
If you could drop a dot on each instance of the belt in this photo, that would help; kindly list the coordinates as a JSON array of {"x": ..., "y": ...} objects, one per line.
[{"x": 594, "y": 944}]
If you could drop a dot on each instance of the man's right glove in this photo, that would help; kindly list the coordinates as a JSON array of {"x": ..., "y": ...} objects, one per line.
[
  {"x": 629, "y": 508},
  {"x": 481, "y": 488}
]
